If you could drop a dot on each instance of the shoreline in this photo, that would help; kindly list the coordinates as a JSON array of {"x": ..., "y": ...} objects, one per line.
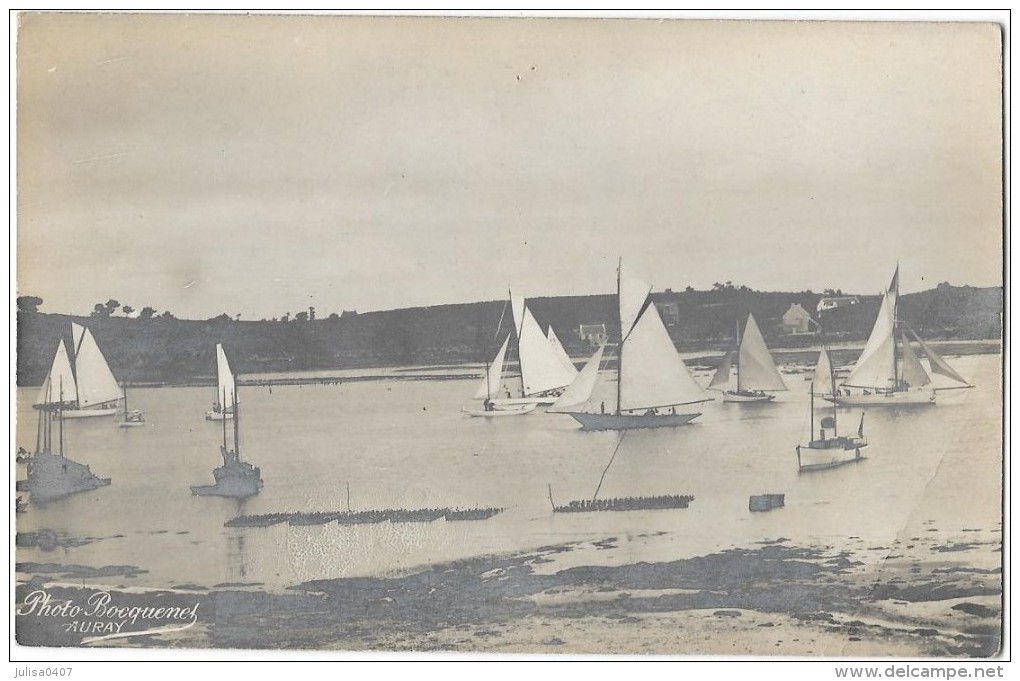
[
  {"x": 921, "y": 597},
  {"x": 841, "y": 354}
]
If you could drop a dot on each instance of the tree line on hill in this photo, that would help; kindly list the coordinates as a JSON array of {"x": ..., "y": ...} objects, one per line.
[{"x": 150, "y": 347}]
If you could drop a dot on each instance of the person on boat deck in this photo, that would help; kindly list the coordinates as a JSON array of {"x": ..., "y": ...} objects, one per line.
[
  {"x": 603, "y": 406},
  {"x": 487, "y": 404},
  {"x": 672, "y": 410}
]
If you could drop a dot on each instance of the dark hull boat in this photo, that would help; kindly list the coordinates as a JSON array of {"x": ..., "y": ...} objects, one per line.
[
  {"x": 235, "y": 478},
  {"x": 50, "y": 474},
  {"x": 53, "y": 476}
]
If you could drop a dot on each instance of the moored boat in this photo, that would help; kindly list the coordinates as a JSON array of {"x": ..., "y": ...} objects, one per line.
[
  {"x": 544, "y": 369},
  {"x": 51, "y": 474},
  {"x": 756, "y": 373},
  {"x": 89, "y": 388},
  {"x": 236, "y": 478},
  {"x": 654, "y": 388},
  {"x": 888, "y": 371},
  {"x": 131, "y": 418},
  {"x": 826, "y": 448}
]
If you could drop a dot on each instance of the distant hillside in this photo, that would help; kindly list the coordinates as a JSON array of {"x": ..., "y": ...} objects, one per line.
[{"x": 176, "y": 350}]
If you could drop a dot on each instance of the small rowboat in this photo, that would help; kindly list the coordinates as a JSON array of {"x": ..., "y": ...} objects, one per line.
[{"x": 515, "y": 410}]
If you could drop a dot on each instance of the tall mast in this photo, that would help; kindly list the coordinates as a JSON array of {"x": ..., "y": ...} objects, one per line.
[
  {"x": 517, "y": 342},
  {"x": 237, "y": 439},
  {"x": 832, "y": 382},
  {"x": 123, "y": 385},
  {"x": 74, "y": 367},
  {"x": 738, "y": 354},
  {"x": 896, "y": 305},
  {"x": 223, "y": 414},
  {"x": 38, "y": 431},
  {"x": 61, "y": 426},
  {"x": 619, "y": 352},
  {"x": 47, "y": 417},
  {"x": 39, "y": 424},
  {"x": 812, "y": 410}
]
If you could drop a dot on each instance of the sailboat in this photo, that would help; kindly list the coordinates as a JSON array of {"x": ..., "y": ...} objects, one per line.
[
  {"x": 757, "y": 375},
  {"x": 131, "y": 418},
  {"x": 493, "y": 384},
  {"x": 889, "y": 373},
  {"x": 652, "y": 379},
  {"x": 226, "y": 389},
  {"x": 543, "y": 372},
  {"x": 824, "y": 451},
  {"x": 235, "y": 478},
  {"x": 51, "y": 474},
  {"x": 89, "y": 388}
]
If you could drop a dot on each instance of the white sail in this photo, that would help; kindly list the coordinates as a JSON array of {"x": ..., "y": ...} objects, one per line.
[
  {"x": 558, "y": 350},
  {"x": 939, "y": 365},
  {"x": 77, "y": 333},
  {"x": 226, "y": 391},
  {"x": 493, "y": 376},
  {"x": 59, "y": 379},
  {"x": 652, "y": 373},
  {"x": 912, "y": 371},
  {"x": 580, "y": 391},
  {"x": 541, "y": 369},
  {"x": 517, "y": 307},
  {"x": 96, "y": 383},
  {"x": 722, "y": 375},
  {"x": 876, "y": 366},
  {"x": 822, "y": 383},
  {"x": 633, "y": 296},
  {"x": 756, "y": 370}
]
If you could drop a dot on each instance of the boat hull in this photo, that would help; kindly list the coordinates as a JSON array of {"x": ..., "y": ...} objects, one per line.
[
  {"x": 820, "y": 458},
  {"x": 519, "y": 410},
  {"x": 218, "y": 416},
  {"x": 731, "y": 396},
  {"x": 502, "y": 402},
  {"x": 631, "y": 421},
  {"x": 237, "y": 480},
  {"x": 52, "y": 477},
  {"x": 87, "y": 413},
  {"x": 131, "y": 424},
  {"x": 885, "y": 399}
]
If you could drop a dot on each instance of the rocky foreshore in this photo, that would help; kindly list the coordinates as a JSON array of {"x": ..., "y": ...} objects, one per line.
[{"x": 919, "y": 597}]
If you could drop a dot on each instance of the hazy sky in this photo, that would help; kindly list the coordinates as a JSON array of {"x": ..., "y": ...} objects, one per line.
[{"x": 258, "y": 165}]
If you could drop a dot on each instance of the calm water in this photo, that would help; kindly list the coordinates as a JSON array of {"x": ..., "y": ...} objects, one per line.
[{"x": 404, "y": 443}]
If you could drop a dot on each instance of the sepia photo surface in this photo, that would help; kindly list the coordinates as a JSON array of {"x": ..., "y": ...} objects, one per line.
[{"x": 509, "y": 335}]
